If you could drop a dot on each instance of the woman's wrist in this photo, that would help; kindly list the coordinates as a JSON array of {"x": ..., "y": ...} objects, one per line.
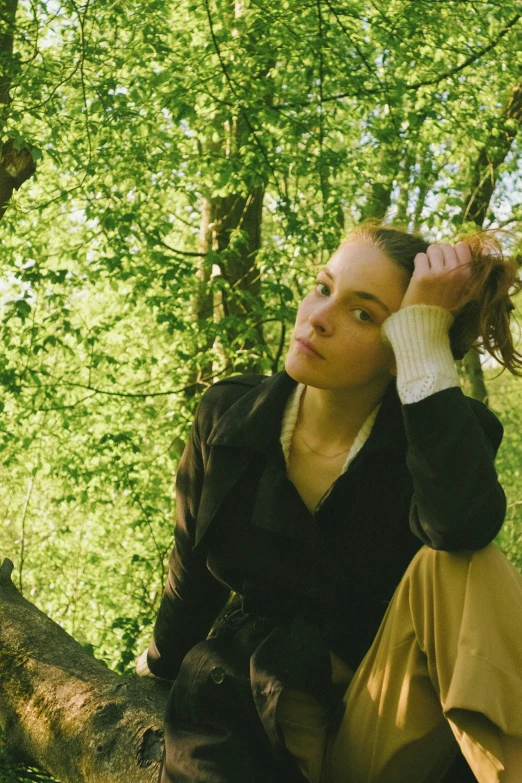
[
  {"x": 419, "y": 336},
  {"x": 142, "y": 667}
]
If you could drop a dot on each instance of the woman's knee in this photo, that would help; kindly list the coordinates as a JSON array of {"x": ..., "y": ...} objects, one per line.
[
  {"x": 440, "y": 562},
  {"x": 488, "y": 560}
]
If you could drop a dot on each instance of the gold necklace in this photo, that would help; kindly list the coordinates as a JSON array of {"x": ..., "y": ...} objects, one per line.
[{"x": 319, "y": 454}]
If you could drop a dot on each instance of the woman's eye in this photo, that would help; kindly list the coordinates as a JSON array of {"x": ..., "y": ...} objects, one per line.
[
  {"x": 322, "y": 289},
  {"x": 367, "y": 316}
]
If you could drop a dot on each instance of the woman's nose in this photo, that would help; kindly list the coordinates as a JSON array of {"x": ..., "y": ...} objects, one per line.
[{"x": 321, "y": 319}]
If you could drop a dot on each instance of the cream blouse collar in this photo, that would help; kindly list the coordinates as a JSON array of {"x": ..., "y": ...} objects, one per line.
[{"x": 290, "y": 420}]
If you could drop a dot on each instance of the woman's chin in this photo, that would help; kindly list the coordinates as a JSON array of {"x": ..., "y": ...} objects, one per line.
[{"x": 294, "y": 367}]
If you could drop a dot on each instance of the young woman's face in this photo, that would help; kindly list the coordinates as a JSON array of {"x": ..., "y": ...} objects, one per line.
[{"x": 336, "y": 343}]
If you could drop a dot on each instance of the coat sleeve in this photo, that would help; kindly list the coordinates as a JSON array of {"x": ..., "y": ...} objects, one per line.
[
  {"x": 458, "y": 502},
  {"x": 192, "y": 597}
]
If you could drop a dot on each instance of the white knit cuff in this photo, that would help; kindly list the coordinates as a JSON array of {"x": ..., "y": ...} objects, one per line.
[
  {"x": 419, "y": 336},
  {"x": 142, "y": 667}
]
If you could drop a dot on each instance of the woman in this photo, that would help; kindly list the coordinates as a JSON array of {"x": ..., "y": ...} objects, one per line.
[{"x": 357, "y": 654}]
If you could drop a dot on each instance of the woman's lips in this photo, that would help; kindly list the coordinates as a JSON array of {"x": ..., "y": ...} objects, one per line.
[{"x": 307, "y": 348}]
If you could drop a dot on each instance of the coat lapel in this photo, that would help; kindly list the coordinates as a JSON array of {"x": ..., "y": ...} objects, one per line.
[
  {"x": 387, "y": 433},
  {"x": 250, "y": 427},
  {"x": 254, "y": 421}
]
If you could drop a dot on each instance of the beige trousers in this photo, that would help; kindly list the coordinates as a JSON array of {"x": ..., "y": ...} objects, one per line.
[{"x": 446, "y": 665}]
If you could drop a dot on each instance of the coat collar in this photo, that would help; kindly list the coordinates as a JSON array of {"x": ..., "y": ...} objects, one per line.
[{"x": 254, "y": 421}]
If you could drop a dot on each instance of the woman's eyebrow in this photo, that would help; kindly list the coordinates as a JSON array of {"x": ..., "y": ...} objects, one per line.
[{"x": 363, "y": 294}]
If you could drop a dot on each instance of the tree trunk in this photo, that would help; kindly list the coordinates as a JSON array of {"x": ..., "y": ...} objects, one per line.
[
  {"x": 235, "y": 234},
  {"x": 243, "y": 214},
  {"x": 8, "y": 10},
  {"x": 66, "y": 712},
  {"x": 427, "y": 175},
  {"x": 401, "y": 217},
  {"x": 231, "y": 223},
  {"x": 202, "y": 301},
  {"x": 387, "y": 170},
  {"x": 490, "y": 157},
  {"x": 16, "y": 165},
  {"x": 473, "y": 369},
  {"x": 379, "y": 200},
  {"x": 231, "y": 228}
]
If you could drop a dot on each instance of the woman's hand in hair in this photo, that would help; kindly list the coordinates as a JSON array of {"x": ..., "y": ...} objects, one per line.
[{"x": 441, "y": 276}]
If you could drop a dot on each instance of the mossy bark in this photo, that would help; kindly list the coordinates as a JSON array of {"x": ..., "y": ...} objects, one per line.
[{"x": 64, "y": 711}]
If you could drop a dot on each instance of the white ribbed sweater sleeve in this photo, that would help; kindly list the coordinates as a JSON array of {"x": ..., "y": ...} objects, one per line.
[{"x": 419, "y": 336}]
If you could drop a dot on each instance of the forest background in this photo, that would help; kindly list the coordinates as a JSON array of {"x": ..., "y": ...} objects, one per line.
[{"x": 172, "y": 174}]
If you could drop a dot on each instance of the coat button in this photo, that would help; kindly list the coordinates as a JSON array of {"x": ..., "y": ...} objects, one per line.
[{"x": 217, "y": 675}]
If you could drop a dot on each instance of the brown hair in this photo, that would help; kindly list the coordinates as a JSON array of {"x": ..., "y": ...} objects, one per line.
[{"x": 484, "y": 310}]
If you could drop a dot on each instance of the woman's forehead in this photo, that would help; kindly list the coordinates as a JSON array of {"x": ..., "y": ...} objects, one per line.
[
  {"x": 363, "y": 266},
  {"x": 362, "y": 259}
]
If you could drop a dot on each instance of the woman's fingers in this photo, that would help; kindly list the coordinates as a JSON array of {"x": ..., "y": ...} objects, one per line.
[
  {"x": 440, "y": 277},
  {"x": 435, "y": 255},
  {"x": 422, "y": 264},
  {"x": 450, "y": 256},
  {"x": 463, "y": 253},
  {"x": 443, "y": 258}
]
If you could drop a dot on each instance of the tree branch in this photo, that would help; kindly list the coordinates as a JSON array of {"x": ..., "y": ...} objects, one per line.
[
  {"x": 426, "y": 82},
  {"x": 67, "y": 712}
]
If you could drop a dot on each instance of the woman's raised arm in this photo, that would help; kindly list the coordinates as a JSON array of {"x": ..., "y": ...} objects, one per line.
[{"x": 458, "y": 502}]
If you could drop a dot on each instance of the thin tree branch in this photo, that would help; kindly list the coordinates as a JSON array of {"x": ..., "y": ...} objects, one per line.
[{"x": 427, "y": 82}]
